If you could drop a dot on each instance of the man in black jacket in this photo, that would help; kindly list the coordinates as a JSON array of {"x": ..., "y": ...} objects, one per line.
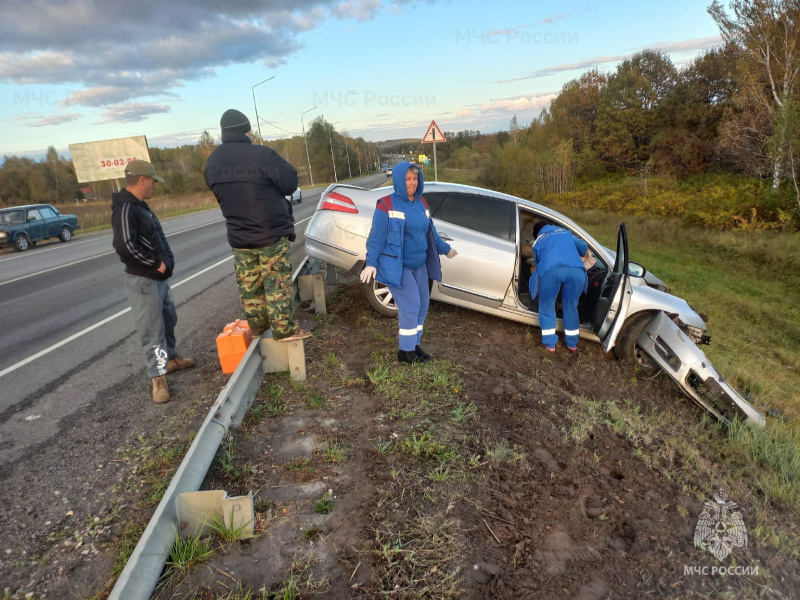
[
  {"x": 143, "y": 248},
  {"x": 251, "y": 184}
]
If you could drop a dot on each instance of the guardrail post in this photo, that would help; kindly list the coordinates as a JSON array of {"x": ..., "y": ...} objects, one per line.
[
  {"x": 330, "y": 276},
  {"x": 283, "y": 356}
]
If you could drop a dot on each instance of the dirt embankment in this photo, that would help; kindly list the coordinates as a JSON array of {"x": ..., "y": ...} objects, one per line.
[{"x": 496, "y": 471}]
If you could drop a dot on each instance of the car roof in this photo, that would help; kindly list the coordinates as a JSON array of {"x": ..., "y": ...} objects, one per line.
[
  {"x": 24, "y": 206},
  {"x": 441, "y": 186}
]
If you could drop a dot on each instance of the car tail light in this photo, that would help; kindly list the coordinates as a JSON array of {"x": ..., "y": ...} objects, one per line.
[{"x": 339, "y": 203}]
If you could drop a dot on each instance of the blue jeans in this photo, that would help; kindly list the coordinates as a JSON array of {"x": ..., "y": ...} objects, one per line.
[
  {"x": 570, "y": 281},
  {"x": 412, "y": 298}
]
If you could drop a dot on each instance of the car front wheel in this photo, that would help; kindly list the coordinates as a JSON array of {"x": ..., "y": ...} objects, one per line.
[
  {"x": 628, "y": 350},
  {"x": 66, "y": 234},
  {"x": 380, "y": 298},
  {"x": 22, "y": 243}
]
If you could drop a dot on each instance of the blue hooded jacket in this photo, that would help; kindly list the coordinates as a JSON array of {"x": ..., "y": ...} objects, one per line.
[
  {"x": 557, "y": 247},
  {"x": 403, "y": 234}
]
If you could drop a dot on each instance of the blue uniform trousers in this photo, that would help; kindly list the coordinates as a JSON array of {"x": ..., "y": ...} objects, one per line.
[
  {"x": 412, "y": 298},
  {"x": 570, "y": 280}
]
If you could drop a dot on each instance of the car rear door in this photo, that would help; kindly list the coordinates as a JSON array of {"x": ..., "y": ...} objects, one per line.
[
  {"x": 615, "y": 296},
  {"x": 52, "y": 221},
  {"x": 482, "y": 229}
]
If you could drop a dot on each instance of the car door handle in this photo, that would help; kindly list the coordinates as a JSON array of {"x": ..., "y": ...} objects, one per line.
[{"x": 445, "y": 237}]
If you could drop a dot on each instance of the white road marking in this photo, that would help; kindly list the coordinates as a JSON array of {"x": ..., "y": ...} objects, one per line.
[
  {"x": 75, "y": 336},
  {"x": 78, "y": 243},
  {"x": 99, "y": 255}
]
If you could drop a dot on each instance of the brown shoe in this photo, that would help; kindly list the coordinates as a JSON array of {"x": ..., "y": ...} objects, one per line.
[
  {"x": 178, "y": 363},
  {"x": 160, "y": 392},
  {"x": 299, "y": 334}
]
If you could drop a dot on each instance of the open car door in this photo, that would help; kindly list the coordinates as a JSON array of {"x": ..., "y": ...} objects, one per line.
[{"x": 615, "y": 296}]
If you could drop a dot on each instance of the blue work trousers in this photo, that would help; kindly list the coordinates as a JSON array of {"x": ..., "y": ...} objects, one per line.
[
  {"x": 570, "y": 280},
  {"x": 412, "y": 298}
]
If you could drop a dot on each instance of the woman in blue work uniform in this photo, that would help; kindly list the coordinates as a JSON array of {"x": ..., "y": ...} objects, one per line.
[
  {"x": 403, "y": 251},
  {"x": 558, "y": 267}
]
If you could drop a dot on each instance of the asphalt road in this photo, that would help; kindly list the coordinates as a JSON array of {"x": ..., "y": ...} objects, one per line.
[{"x": 66, "y": 332}]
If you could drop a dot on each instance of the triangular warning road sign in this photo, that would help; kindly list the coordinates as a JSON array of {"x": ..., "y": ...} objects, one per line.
[{"x": 434, "y": 134}]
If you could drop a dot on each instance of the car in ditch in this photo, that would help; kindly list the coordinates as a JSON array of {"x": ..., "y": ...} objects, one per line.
[
  {"x": 23, "y": 226},
  {"x": 627, "y": 309}
]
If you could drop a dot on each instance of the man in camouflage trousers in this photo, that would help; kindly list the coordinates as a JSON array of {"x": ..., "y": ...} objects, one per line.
[
  {"x": 251, "y": 183},
  {"x": 264, "y": 276}
]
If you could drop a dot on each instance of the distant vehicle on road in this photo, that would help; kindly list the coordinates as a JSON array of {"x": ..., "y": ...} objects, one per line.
[
  {"x": 296, "y": 197},
  {"x": 627, "y": 309},
  {"x": 23, "y": 226}
]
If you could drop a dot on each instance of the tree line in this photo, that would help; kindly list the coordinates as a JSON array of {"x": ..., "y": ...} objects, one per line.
[
  {"x": 733, "y": 109},
  {"x": 332, "y": 156}
]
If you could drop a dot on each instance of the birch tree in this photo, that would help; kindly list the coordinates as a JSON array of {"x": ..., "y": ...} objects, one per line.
[{"x": 768, "y": 34}]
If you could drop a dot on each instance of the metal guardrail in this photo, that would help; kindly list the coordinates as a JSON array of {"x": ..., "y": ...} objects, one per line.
[{"x": 143, "y": 569}]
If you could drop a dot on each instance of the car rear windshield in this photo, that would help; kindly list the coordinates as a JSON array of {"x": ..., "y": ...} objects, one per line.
[{"x": 12, "y": 217}]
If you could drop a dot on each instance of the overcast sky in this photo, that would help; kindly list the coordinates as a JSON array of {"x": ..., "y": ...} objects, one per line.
[{"x": 82, "y": 70}]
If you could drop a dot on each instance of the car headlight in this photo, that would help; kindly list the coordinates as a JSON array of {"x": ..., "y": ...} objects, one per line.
[{"x": 2, "y": 235}]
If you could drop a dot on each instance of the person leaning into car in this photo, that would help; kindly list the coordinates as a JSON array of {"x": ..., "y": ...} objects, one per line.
[
  {"x": 403, "y": 251},
  {"x": 251, "y": 183},
  {"x": 142, "y": 247},
  {"x": 558, "y": 267}
]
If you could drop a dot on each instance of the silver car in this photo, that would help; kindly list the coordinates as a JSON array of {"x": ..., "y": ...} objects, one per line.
[{"x": 627, "y": 309}]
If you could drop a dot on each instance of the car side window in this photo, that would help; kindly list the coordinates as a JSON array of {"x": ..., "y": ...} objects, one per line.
[
  {"x": 434, "y": 199},
  {"x": 47, "y": 213},
  {"x": 34, "y": 215},
  {"x": 484, "y": 214}
]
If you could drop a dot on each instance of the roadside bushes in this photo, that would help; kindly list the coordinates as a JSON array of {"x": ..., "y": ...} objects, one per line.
[{"x": 716, "y": 201}]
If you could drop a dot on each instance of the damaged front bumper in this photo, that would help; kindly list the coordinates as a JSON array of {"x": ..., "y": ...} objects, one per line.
[{"x": 681, "y": 359}]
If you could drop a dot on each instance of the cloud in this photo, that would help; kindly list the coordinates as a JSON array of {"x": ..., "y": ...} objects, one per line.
[
  {"x": 53, "y": 120},
  {"x": 133, "y": 112},
  {"x": 545, "y": 21},
  {"x": 525, "y": 102},
  {"x": 360, "y": 10},
  {"x": 115, "y": 52},
  {"x": 464, "y": 112},
  {"x": 692, "y": 45}
]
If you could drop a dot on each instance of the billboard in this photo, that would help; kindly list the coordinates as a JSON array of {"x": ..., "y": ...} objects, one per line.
[{"x": 104, "y": 160}]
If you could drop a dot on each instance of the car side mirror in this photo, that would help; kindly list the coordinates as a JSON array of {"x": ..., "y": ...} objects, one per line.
[
  {"x": 31, "y": 218},
  {"x": 636, "y": 269}
]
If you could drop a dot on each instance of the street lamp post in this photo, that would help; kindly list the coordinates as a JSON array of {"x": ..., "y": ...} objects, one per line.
[
  {"x": 333, "y": 160},
  {"x": 260, "y": 139},
  {"x": 347, "y": 150},
  {"x": 310, "y": 174}
]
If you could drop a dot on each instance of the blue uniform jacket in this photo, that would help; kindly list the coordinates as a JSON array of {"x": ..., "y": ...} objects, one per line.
[
  {"x": 385, "y": 241},
  {"x": 556, "y": 247}
]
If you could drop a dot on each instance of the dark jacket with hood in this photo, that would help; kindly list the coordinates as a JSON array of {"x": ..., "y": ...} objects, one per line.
[
  {"x": 387, "y": 245},
  {"x": 251, "y": 183},
  {"x": 138, "y": 237}
]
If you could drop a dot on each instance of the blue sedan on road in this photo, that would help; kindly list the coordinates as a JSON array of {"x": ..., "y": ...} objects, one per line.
[{"x": 23, "y": 226}]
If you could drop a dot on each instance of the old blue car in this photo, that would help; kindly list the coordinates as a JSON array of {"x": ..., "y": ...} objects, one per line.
[{"x": 23, "y": 226}]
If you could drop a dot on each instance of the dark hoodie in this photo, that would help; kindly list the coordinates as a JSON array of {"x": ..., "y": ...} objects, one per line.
[
  {"x": 138, "y": 237},
  {"x": 251, "y": 184}
]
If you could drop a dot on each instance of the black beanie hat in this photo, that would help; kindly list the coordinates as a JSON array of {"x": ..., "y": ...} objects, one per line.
[{"x": 233, "y": 120}]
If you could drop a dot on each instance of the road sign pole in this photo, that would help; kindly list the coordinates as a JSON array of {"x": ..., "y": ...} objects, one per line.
[{"x": 435, "y": 171}]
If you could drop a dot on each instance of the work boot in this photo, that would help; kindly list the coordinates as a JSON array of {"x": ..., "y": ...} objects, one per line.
[
  {"x": 424, "y": 356},
  {"x": 408, "y": 357},
  {"x": 160, "y": 392},
  {"x": 299, "y": 334},
  {"x": 176, "y": 363}
]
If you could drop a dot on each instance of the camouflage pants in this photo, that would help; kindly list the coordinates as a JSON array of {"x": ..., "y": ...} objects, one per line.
[{"x": 264, "y": 276}]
